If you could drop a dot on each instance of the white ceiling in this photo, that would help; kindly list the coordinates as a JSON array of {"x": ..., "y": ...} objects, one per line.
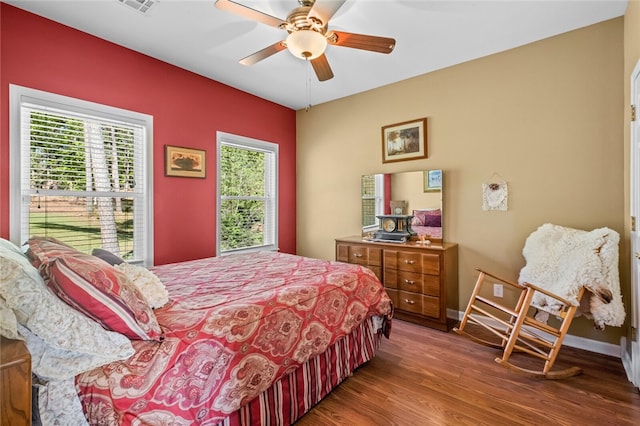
[{"x": 430, "y": 35}]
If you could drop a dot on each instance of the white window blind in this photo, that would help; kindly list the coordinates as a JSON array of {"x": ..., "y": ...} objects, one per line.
[
  {"x": 247, "y": 194},
  {"x": 83, "y": 177},
  {"x": 372, "y": 199}
]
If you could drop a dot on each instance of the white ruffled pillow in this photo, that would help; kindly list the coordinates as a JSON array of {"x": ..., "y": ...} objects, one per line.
[
  {"x": 147, "y": 282},
  {"x": 62, "y": 341}
]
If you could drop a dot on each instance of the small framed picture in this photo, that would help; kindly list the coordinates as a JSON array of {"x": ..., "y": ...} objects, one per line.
[
  {"x": 184, "y": 162},
  {"x": 398, "y": 207},
  {"x": 404, "y": 141},
  {"x": 432, "y": 180}
]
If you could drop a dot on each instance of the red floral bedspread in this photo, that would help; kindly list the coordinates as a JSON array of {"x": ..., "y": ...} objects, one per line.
[{"x": 233, "y": 326}]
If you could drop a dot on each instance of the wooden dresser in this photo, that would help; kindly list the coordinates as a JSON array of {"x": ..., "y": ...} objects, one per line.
[
  {"x": 15, "y": 383},
  {"x": 422, "y": 281}
]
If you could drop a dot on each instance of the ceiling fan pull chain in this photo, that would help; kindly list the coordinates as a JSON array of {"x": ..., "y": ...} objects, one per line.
[{"x": 308, "y": 107}]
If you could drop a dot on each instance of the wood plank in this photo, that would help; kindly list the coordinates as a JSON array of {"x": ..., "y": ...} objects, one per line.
[{"x": 422, "y": 376}]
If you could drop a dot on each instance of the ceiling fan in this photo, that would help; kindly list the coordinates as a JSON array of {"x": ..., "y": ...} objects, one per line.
[{"x": 308, "y": 37}]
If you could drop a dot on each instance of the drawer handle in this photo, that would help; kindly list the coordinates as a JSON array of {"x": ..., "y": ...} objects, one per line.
[
  {"x": 357, "y": 255},
  {"x": 409, "y": 262},
  {"x": 411, "y": 302},
  {"x": 410, "y": 282}
]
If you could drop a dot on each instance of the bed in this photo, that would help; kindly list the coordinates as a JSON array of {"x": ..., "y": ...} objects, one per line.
[
  {"x": 427, "y": 222},
  {"x": 239, "y": 339}
]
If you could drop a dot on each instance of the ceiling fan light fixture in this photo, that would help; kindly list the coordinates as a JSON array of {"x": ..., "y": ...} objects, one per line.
[{"x": 306, "y": 44}]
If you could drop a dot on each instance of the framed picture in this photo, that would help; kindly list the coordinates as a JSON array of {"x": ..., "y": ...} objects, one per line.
[
  {"x": 185, "y": 162},
  {"x": 404, "y": 141},
  {"x": 432, "y": 180},
  {"x": 398, "y": 207}
]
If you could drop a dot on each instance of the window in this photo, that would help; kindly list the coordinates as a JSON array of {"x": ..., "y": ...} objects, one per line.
[
  {"x": 81, "y": 173},
  {"x": 247, "y": 194},
  {"x": 372, "y": 200}
]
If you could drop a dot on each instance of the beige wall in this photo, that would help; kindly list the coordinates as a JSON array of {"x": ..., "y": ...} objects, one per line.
[
  {"x": 547, "y": 117},
  {"x": 409, "y": 187}
]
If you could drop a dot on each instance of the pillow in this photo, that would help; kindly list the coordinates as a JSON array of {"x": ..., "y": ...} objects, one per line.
[
  {"x": 107, "y": 256},
  {"x": 96, "y": 289},
  {"x": 67, "y": 343},
  {"x": 147, "y": 282},
  {"x": 48, "y": 249},
  {"x": 433, "y": 220},
  {"x": 431, "y": 217}
]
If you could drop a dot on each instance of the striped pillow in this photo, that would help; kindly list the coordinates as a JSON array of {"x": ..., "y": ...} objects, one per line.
[
  {"x": 43, "y": 250},
  {"x": 97, "y": 289}
]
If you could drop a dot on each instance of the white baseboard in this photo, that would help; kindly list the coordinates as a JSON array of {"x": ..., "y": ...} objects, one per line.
[
  {"x": 596, "y": 346},
  {"x": 626, "y": 360}
]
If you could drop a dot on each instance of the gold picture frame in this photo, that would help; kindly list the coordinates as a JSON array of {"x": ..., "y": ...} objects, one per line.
[
  {"x": 404, "y": 141},
  {"x": 184, "y": 162},
  {"x": 432, "y": 180}
]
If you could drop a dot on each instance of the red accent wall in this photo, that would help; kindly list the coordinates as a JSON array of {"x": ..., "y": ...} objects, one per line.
[
  {"x": 187, "y": 110},
  {"x": 387, "y": 193}
]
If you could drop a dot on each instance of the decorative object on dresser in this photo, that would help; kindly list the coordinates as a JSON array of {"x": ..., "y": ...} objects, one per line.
[
  {"x": 398, "y": 207},
  {"x": 421, "y": 280},
  {"x": 15, "y": 383},
  {"x": 394, "y": 229}
]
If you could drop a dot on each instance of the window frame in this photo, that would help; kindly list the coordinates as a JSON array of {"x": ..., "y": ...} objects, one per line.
[
  {"x": 243, "y": 142},
  {"x": 378, "y": 198},
  {"x": 19, "y": 95}
]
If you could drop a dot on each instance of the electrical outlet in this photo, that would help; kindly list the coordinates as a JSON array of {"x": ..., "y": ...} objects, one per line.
[{"x": 497, "y": 290}]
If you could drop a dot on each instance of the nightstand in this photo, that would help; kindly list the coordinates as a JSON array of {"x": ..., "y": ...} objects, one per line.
[{"x": 15, "y": 383}]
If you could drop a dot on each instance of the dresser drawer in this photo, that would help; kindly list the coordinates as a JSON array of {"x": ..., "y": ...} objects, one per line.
[
  {"x": 390, "y": 278},
  {"x": 409, "y": 301},
  {"x": 425, "y": 263},
  {"x": 376, "y": 270},
  {"x": 431, "y": 264},
  {"x": 418, "y": 283},
  {"x": 409, "y": 281},
  {"x": 419, "y": 303},
  {"x": 361, "y": 255},
  {"x": 410, "y": 262},
  {"x": 431, "y": 306}
]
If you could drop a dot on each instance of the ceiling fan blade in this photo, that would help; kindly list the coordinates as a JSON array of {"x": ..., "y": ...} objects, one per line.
[
  {"x": 263, "y": 54},
  {"x": 325, "y": 9},
  {"x": 361, "y": 41},
  {"x": 247, "y": 12},
  {"x": 322, "y": 68}
]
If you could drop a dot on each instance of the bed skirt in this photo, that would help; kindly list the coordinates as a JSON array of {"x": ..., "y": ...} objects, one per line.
[{"x": 292, "y": 396}]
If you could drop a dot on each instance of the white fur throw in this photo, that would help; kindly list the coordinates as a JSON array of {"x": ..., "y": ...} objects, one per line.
[{"x": 561, "y": 260}]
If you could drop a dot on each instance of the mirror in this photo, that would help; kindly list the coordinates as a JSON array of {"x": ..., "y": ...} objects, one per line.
[{"x": 416, "y": 193}]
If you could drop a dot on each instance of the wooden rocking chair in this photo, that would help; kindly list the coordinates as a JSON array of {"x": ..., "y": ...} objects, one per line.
[
  {"x": 516, "y": 327},
  {"x": 567, "y": 261}
]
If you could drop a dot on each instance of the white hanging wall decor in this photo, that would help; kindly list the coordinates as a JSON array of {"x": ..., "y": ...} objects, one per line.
[{"x": 495, "y": 194}]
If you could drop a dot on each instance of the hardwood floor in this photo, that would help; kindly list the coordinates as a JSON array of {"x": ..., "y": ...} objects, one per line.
[{"x": 422, "y": 376}]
